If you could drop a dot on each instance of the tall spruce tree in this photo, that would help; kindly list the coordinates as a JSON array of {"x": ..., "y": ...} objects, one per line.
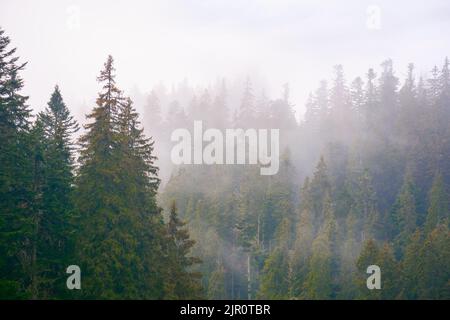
[
  {"x": 16, "y": 179},
  {"x": 120, "y": 227},
  {"x": 53, "y": 239}
]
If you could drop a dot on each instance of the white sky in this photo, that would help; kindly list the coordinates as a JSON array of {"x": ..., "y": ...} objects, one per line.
[{"x": 66, "y": 42}]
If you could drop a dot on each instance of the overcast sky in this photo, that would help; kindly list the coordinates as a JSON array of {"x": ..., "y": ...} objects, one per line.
[{"x": 66, "y": 42}]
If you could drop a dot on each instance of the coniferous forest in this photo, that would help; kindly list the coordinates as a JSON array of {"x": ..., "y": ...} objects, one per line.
[{"x": 364, "y": 179}]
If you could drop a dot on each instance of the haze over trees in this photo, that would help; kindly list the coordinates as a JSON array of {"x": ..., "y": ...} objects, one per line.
[{"x": 364, "y": 179}]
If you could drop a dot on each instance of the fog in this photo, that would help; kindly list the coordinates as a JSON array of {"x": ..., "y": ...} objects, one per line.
[
  {"x": 358, "y": 93},
  {"x": 273, "y": 42}
]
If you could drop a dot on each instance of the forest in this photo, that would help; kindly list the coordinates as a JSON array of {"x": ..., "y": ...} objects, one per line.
[{"x": 364, "y": 179}]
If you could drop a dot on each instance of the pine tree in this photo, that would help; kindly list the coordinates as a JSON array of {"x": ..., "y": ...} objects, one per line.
[
  {"x": 405, "y": 214},
  {"x": 439, "y": 209},
  {"x": 121, "y": 230},
  {"x": 384, "y": 258},
  {"x": 303, "y": 243},
  {"x": 277, "y": 274},
  {"x": 368, "y": 256},
  {"x": 137, "y": 153},
  {"x": 320, "y": 186},
  {"x": 319, "y": 283},
  {"x": 311, "y": 117},
  {"x": 281, "y": 113},
  {"x": 409, "y": 108},
  {"x": 433, "y": 84},
  {"x": 434, "y": 283},
  {"x": 32, "y": 250},
  {"x": 323, "y": 104},
  {"x": 16, "y": 179},
  {"x": 440, "y": 119},
  {"x": 348, "y": 254},
  {"x": 342, "y": 125},
  {"x": 181, "y": 282},
  {"x": 357, "y": 97},
  {"x": 54, "y": 237},
  {"x": 152, "y": 112},
  {"x": 370, "y": 99},
  {"x": 275, "y": 278},
  {"x": 411, "y": 267},
  {"x": 176, "y": 116},
  {"x": 220, "y": 116},
  {"x": 390, "y": 271},
  {"x": 246, "y": 111},
  {"x": 98, "y": 200},
  {"x": 388, "y": 98},
  {"x": 365, "y": 205}
]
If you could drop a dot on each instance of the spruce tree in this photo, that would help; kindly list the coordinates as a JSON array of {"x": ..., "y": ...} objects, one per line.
[
  {"x": 390, "y": 271},
  {"x": 438, "y": 209},
  {"x": 276, "y": 274},
  {"x": 384, "y": 258},
  {"x": 368, "y": 256},
  {"x": 275, "y": 277},
  {"x": 181, "y": 282},
  {"x": 246, "y": 111},
  {"x": 16, "y": 179},
  {"x": 120, "y": 227},
  {"x": 435, "y": 258},
  {"x": 54, "y": 232},
  {"x": 320, "y": 186},
  {"x": 319, "y": 283},
  {"x": 412, "y": 267},
  {"x": 303, "y": 243},
  {"x": 405, "y": 214},
  {"x": 152, "y": 113}
]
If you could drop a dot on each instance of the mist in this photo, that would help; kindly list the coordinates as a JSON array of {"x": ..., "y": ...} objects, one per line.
[
  {"x": 273, "y": 42},
  {"x": 359, "y": 98}
]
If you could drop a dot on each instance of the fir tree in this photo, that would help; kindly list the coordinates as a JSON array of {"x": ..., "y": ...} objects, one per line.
[
  {"x": 405, "y": 214},
  {"x": 16, "y": 178},
  {"x": 246, "y": 111},
  {"x": 54, "y": 237},
  {"x": 411, "y": 267},
  {"x": 368, "y": 256},
  {"x": 438, "y": 210},
  {"x": 435, "y": 258},
  {"x": 182, "y": 282},
  {"x": 276, "y": 274},
  {"x": 319, "y": 283},
  {"x": 121, "y": 231},
  {"x": 302, "y": 244}
]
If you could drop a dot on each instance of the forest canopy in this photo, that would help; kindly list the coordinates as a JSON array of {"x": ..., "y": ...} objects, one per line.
[{"x": 363, "y": 179}]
